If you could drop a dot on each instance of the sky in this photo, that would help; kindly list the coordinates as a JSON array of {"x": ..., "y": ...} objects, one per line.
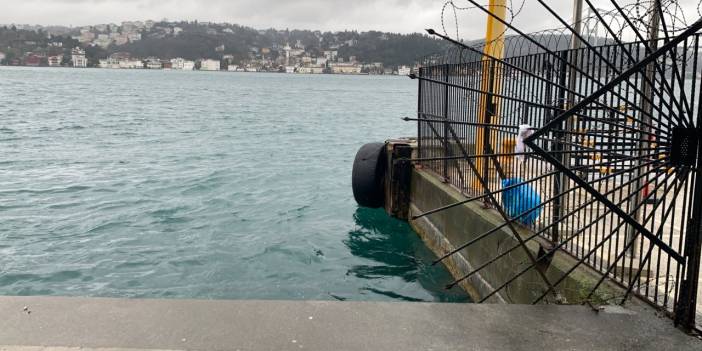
[{"x": 403, "y": 16}]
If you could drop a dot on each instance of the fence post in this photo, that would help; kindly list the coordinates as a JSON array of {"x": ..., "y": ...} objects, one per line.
[
  {"x": 494, "y": 46},
  {"x": 419, "y": 110},
  {"x": 647, "y": 109},
  {"x": 560, "y": 145},
  {"x": 687, "y": 299},
  {"x": 446, "y": 118}
]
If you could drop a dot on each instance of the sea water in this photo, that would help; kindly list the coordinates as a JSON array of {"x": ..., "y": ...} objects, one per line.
[{"x": 137, "y": 183}]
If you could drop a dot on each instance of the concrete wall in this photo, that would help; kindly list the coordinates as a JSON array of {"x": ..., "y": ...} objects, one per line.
[{"x": 445, "y": 230}]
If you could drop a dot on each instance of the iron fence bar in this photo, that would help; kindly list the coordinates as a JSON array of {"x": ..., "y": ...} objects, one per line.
[
  {"x": 446, "y": 145},
  {"x": 602, "y": 242},
  {"x": 625, "y": 75},
  {"x": 650, "y": 248},
  {"x": 620, "y": 45},
  {"x": 419, "y": 108},
  {"x": 686, "y": 306},
  {"x": 521, "y": 154},
  {"x": 559, "y": 179},
  {"x": 661, "y": 17},
  {"x": 545, "y": 48},
  {"x": 541, "y": 231},
  {"x": 508, "y": 188},
  {"x": 526, "y": 102},
  {"x": 658, "y": 16},
  {"x": 605, "y": 201},
  {"x": 529, "y": 140},
  {"x": 531, "y": 237},
  {"x": 499, "y": 209},
  {"x": 573, "y": 67},
  {"x": 506, "y": 97},
  {"x": 601, "y": 133},
  {"x": 458, "y": 170},
  {"x": 547, "y": 254}
]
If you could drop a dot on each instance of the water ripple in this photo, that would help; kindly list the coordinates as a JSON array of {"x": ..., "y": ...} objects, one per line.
[{"x": 237, "y": 186}]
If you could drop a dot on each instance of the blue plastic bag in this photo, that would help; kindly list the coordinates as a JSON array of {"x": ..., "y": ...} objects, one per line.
[{"x": 520, "y": 199}]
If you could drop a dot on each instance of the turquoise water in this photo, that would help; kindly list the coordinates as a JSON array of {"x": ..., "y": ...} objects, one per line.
[{"x": 201, "y": 185}]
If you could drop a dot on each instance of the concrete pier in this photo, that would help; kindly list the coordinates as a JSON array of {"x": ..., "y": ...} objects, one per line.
[
  {"x": 68, "y": 324},
  {"x": 411, "y": 190}
]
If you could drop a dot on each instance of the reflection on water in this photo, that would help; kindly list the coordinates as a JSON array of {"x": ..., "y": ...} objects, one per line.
[{"x": 394, "y": 251}]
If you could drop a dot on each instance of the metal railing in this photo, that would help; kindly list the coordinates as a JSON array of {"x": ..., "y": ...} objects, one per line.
[{"x": 597, "y": 170}]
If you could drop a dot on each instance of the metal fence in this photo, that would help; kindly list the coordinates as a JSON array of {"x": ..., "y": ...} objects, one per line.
[{"x": 593, "y": 149}]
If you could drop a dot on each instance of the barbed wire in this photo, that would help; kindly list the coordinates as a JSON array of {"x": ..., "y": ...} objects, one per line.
[{"x": 598, "y": 26}]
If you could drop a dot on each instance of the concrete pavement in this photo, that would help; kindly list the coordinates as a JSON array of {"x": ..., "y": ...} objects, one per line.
[{"x": 69, "y": 324}]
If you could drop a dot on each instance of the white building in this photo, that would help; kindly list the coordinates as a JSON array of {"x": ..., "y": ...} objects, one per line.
[
  {"x": 109, "y": 63},
  {"x": 54, "y": 61},
  {"x": 209, "y": 65},
  {"x": 188, "y": 65},
  {"x": 180, "y": 63},
  {"x": 153, "y": 63},
  {"x": 131, "y": 64},
  {"x": 311, "y": 70},
  {"x": 345, "y": 68},
  {"x": 403, "y": 71},
  {"x": 78, "y": 58}
]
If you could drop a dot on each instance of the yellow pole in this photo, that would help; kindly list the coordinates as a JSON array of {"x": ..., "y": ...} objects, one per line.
[{"x": 494, "y": 46}]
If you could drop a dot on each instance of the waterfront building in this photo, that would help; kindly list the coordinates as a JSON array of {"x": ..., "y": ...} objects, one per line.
[
  {"x": 153, "y": 63},
  {"x": 177, "y": 63},
  {"x": 311, "y": 69},
  {"x": 209, "y": 65},
  {"x": 130, "y": 64},
  {"x": 232, "y": 68},
  {"x": 55, "y": 61},
  {"x": 109, "y": 63},
  {"x": 78, "y": 58},
  {"x": 2, "y": 56},
  {"x": 182, "y": 64},
  {"x": 345, "y": 68},
  {"x": 188, "y": 65},
  {"x": 289, "y": 69},
  {"x": 32, "y": 60},
  {"x": 403, "y": 70}
]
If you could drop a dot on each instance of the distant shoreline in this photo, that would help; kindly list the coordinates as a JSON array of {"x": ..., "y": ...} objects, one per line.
[{"x": 198, "y": 70}]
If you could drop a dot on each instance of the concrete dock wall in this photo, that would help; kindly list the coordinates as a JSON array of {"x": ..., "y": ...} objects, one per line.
[{"x": 448, "y": 229}]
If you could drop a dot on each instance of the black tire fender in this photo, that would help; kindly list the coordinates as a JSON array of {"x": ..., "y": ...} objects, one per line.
[{"x": 368, "y": 175}]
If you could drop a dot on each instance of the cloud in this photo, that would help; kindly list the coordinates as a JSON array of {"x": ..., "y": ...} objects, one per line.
[{"x": 388, "y": 15}]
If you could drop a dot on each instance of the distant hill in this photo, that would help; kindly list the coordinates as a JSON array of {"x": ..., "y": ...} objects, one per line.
[{"x": 200, "y": 40}]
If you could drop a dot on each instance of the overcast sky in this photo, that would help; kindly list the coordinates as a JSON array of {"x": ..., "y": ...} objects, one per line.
[{"x": 387, "y": 15}]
